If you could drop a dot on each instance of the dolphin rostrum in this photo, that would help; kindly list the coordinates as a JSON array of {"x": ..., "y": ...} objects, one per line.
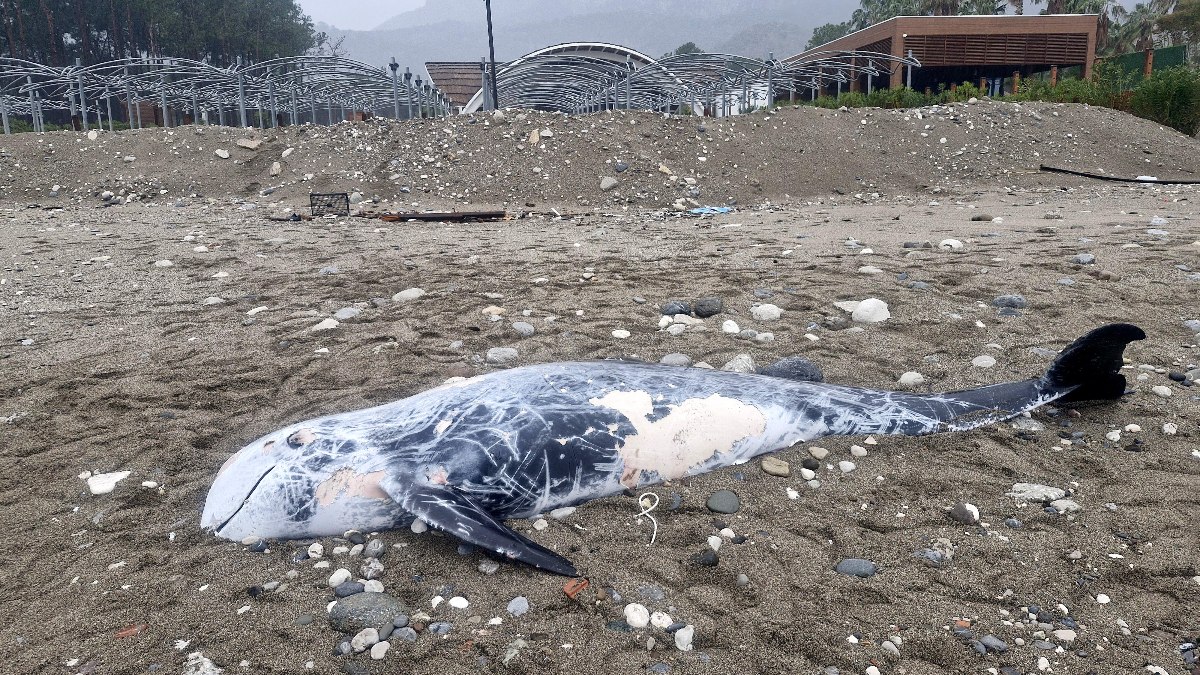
[{"x": 514, "y": 443}]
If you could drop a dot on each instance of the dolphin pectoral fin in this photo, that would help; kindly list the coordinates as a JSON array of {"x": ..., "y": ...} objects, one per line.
[{"x": 450, "y": 511}]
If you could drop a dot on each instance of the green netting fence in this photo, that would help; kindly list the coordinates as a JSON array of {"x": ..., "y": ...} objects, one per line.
[{"x": 1165, "y": 57}]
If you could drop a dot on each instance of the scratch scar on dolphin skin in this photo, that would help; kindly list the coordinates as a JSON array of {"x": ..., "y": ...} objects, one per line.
[
  {"x": 348, "y": 482},
  {"x": 693, "y": 432}
]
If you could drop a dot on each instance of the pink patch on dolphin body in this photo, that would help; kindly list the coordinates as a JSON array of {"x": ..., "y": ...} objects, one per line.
[{"x": 347, "y": 482}]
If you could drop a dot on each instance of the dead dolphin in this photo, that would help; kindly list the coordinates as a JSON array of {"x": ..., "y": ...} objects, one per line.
[{"x": 514, "y": 443}]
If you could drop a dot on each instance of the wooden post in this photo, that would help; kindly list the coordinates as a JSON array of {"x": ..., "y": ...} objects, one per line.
[
  {"x": 1053, "y": 76},
  {"x": 953, "y": 86},
  {"x": 1148, "y": 66},
  {"x": 983, "y": 86},
  {"x": 1016, "y": 81}
]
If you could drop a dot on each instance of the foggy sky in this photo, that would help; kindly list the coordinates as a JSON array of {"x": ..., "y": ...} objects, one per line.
[{"x": 356, "y": 14}]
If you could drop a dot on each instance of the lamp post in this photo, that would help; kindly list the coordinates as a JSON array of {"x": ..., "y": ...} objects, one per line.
[
  {"x": 408, "y": 91},
  {"x": 492, "y": 54},
  {"x": 420, "y": 99},
  {"x": 395, "y": 87}
]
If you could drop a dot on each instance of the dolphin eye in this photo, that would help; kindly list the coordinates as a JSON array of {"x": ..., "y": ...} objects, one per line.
[{"x": 301, "y": 438}]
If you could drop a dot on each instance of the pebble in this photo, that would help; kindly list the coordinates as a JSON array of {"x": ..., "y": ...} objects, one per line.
[
  {"x": 730, "y": 327},
  {"x": 871, "y": 310},
  {"x": 348, "y": 588},
  {"x": 375, "y": 549},
  {"x": 766, "y": 312},
  {"x": 724, "y": 501},
  {"x": 499, "y": 356},
  {"x": 339, "y": 577},
  {"x": 1084, "y": 259},
  {"x": 818, "y": 453},
  {"x": 742, "y": 363},
  {"x": 950, "y": 245},
  {"x": 620, "y": 334},
  {"x": 795, "y": 368},
  {"x": 408, "y": 295},
  {"x": 459, "y": 602},
  {"x": 406, "y": 633},
  {"x": 363, "y": 610},
  {"x": 965, "y": 513},
  {"x": 518, "y": 605},
  {"x": 676, "y": 307},
  {"x": 104, "y": 483},
  {"x": 608, "y": 183},
  {"x": 706, "y": 307},
  {"x": 676, "y": 359},
  {"x": 984, "y": 361},
  {"x": 379, "y": 650},
  {"x": 1013, "y": 301},
  {"x": 637, "y": 616},
  {"x": 222, "y": 153},
  {"x": 776, "y": 467},
  {"x": 912, "y": 379},
  {"x": 364, "y": 639},
  {"x": 683, "y": 638},
  {"x": 327, "y": 324},
  {"x": 1162, "y": 391},
  {"x": 993, "y": 643},
  {"x": 347, "y": 313},
  {"x": 1035, "y": 492},
  {"x": 846, "y": 466},
  {"x": 857, "y": 567},
  {"x": 524, "y": 329}
]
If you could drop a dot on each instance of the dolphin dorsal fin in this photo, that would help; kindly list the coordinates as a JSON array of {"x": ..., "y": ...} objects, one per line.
[{"x": 450, "y": 510}]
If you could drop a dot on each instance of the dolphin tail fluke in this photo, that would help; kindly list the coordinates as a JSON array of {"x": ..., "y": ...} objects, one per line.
[{"x": 1090, "y": 366}]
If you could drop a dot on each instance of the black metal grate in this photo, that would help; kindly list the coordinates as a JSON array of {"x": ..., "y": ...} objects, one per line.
[{"x": 336, "y": 203}]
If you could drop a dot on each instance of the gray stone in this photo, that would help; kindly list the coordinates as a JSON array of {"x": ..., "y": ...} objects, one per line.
[
  {"x": 857, "y": 567},
  {"x": 375, "y": 548},
  {"x": 364, "y": 610},
  {"x": 518, "y": 605},
  {"x": 1084, "y": 259},
  {"x": 608, "y": 183},
  {"x": 524, "y": 329},
  {"x": 675, "y": 307},
  {"x": 742, "y": 363},
  {"x": 993, "y": 643},
  {"x": 499, "y": 356},
  {"x": 1012, "y": 301},
  {"x": 676, "y": 359},
  {"x": 706, "y": 307},
  {"x": 347, "y": 313},
  {"x": 982, "y": 218},
  {"x": 724, "y": 501},
  {"x": 326, "y": 271},
  {"x": 1066, "y": 281},
  {"x": 1192, "y": 325},
  {"x": 407, "y": 634},
  {"x": 967, "y": 514},
  {"x": 621, "y": 167},
  {"x": 347, "y": 589},
  {"x": 795, "y": 368}
]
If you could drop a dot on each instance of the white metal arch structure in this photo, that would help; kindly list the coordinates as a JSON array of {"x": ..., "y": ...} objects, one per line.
[
  {"x": 541, "y": 78},
  {"x": 299, "y": 89},
  {"x": 587, "y": 77}
]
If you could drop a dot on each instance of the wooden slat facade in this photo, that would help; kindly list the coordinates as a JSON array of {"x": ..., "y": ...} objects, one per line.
[{"x": 979, "y": 41}]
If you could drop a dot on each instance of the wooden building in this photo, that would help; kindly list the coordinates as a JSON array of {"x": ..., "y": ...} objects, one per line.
[{"x": 955, "y": 49}]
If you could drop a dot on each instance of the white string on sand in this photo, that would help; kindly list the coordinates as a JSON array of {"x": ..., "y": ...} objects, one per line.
[{"x": 647, "y": 507}]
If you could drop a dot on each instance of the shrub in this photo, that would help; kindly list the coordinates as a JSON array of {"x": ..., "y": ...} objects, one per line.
[{"x": 1170, "y": 97}]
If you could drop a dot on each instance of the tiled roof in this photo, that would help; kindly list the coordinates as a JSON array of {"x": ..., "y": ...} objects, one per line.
[{"x": 459, "y": 80}]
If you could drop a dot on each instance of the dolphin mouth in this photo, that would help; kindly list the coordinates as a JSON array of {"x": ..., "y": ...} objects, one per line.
[{"x": 245, "y": 501}]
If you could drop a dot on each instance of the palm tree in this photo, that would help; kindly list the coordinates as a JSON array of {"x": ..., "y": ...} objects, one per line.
[{"x": 1137, "y": 31}]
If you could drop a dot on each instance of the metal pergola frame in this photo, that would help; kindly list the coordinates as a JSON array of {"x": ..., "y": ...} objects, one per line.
[
  {"x": 563, "y": 80},
  {"x": 300, "y": 89}
]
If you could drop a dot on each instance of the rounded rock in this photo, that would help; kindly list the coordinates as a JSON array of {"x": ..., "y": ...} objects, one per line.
[
  {"x": 675, "y": 307},
  {"x": 871, "y": 310},
  {"x": 724, "y": 501},
  {"x": 857, "y": 567},
  {"x": 1011, "y": 301},
  {"x": 795, "y": 368},
  {"x": 766, "y": 312},
  {"x": 706, "y": 307},
  {"x": 676, "y": 359},
  {"x": 637, "y": 616},
  {"x": 352, "y": 614},
  {"x": 499, "y": 356}
]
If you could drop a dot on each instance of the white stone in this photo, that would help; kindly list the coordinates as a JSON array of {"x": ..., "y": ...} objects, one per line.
[
  {"x": 818, "y": 452},
  {"x": 163, "y": 263},
  {"x": 869, "y": 269},
  {"x": 459, "y": 602},
  {"x": 1065, "y": 634},
  {"x": 339, "y": 577},
  {"x": 1103, "y": 599},
  {"x": 364, "y": 640},
  {"x": 1162, "y": 391},
  {"x": 93, "y": 135},
  {"x": 767, "y": 312},
  {"x": 683, "y": 638},
  {"x": 950, "y": 244},
  {"x": 379, "y": 650},
  {"x": 637, "y": 616},
  {"x": 846, "y": 466},
  {"x": 912, "y": 379},
  {"x": 316, "y": 550},
  {"x": 983, "y": 361},
  {"x": 408, "y": 294},
  {"x": 858, "y": 451},
  {"x": 608, "y": 183},
  {"x": 559, "y": 514},
  {"x": 620, "y": 334},
  {"x": 714, "y": 542},
  {"x": 327, "y": 324},
  {"x": 104, "y": 483},
  {"x": 730, "y": 327},
  {"x": 372, "y": 586},
  {"x": 222, "y": 153},
  {"x": 1035, "y": 492},
  {"x": 742, "y": 363},
  {"x": 871, "y": 310},
  {"x": 660, "y": 620},
  {"x": 418, "y": 526},
  {"x": 276, "y": 168},
  {"x": 1170, "y": 429}
]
